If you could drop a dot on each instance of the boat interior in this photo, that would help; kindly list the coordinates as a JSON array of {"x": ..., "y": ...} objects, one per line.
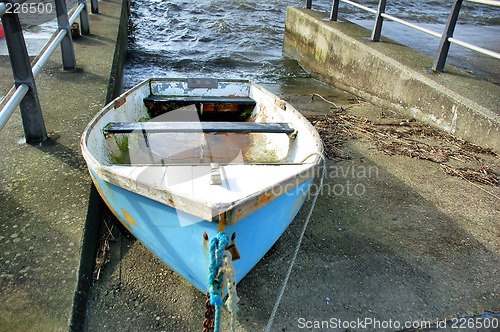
[{"x": 151, "y": 126}]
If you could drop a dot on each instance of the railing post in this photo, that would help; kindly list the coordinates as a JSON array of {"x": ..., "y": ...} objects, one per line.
[
  {"x": 308, "y": 4},
  {"x": 444, "y": 45},
  {"x": 67, "y": 50},
  {"x": 335, "y": 10},
  {"x": 31, "y": 113},
  {"x": 94, "y": 6},
  {"x": 84, "y": 18},
  {"x": 377, "y": 28}
]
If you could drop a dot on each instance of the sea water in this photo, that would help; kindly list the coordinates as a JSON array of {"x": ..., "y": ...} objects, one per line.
[{"x": 243, "y": 38}]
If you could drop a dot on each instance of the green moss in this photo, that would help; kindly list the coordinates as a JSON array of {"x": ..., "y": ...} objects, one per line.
[
  {"x": 246, "y": 113},
  {"x": 122, "y": 142},
  {"x": 266, "y": 156},
  {"x": 123, "y": 155}
]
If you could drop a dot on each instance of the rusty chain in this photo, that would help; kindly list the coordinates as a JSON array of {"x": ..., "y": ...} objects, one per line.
[{"x": 208, "y": 323}]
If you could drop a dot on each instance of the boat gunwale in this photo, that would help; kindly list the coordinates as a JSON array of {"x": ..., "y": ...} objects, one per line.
[{"x": 210, "y": 211}]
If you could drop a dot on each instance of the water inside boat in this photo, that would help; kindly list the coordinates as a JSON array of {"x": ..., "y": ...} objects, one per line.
[{"x": 198, "y": 147}]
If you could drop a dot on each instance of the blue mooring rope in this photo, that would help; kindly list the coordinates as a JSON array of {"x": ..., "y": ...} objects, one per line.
[{"x": 215, "y": 281}]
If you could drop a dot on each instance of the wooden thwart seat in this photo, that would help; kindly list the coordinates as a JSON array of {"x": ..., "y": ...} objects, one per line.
[
  {"x": 202, "y": 100},
  {"x": 209, "y": 108},
  {"x": 192, "y": 127}
]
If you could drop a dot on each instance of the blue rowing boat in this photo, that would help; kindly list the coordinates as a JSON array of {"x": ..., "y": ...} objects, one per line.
[{"x": 179, "y": 160}]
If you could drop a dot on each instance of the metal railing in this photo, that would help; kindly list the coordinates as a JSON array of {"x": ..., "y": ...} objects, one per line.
[
  {"x": 25, "y": 95},
  {"x": 446, "y": 37}
]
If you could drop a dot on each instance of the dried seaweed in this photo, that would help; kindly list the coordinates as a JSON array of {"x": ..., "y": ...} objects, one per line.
[
  {"x": 334, "y": 136},
  {"x": 405, "y": 138},
  {"x": 102, "y": 257},
  {"x": 480, "y": 175}
]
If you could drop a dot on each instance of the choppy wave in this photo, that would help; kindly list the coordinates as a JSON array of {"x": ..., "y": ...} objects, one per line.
[{"x": 243, "y": 38}]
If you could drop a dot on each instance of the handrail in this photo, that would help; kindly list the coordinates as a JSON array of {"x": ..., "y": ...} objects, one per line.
[
  {"x": 360, "y": 6},
  {"x": 12, "y": 104},
  {"x": 411, "y": 25},
  {"x": 25, "y": 95},
  {"x": 475, "y": 48},
  {"x": 446, "y": 37},
  {"x": 55, "y": 42},
  {"x": 486, "y": 2}
]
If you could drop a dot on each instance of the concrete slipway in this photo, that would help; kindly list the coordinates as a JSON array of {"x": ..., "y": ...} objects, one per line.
[
  {"x": 44, "y": 189},
  {"x": 411, "y": 244}
]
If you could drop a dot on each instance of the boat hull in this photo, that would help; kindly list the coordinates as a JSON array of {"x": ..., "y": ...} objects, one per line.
[
  {"x": 176, "y": 237},
  {"x": 163, "y": 187}
]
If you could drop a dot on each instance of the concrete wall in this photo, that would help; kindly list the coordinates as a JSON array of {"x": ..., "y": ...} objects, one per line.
[
  {"x": 115, "y": 87},
  {"x": 96, "y": 208},
  {"x": 395, "y": 76}
]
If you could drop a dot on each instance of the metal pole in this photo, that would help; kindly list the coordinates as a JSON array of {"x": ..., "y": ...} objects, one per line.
[
  {"x": 84, "y": 18},
  {"x": 335, "y": 10},
  {"x": 67, "y": 50},
  {"x": 31, "y": 113},
  {"x": 308, "y": 4},
  {"x": 377, "y": 28},
  {"x": 444, "y": 45},
  {"x": 94, "y": 6}
]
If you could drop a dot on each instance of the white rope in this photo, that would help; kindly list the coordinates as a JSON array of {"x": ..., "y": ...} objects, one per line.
[
  {"x": 289, "y": 272},
  {"x": 232, "y": 297}
]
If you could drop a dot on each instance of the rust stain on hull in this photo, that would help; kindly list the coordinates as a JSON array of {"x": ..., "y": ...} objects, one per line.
[
  {"x": 222, "y": 223},
  {"x": 264, "y": 199},
  {"x": 205, "y": 244},
  {"x": 119, "y": 102},
  {"x": 104, "y": 196},
  {"x": 171, "y": 202},
  {"x": 295, "y": 207},
  {"x": 130, "y": 222}
]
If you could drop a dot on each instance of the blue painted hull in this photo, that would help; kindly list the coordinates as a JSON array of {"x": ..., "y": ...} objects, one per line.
[{"x": 159, "y": 228}]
